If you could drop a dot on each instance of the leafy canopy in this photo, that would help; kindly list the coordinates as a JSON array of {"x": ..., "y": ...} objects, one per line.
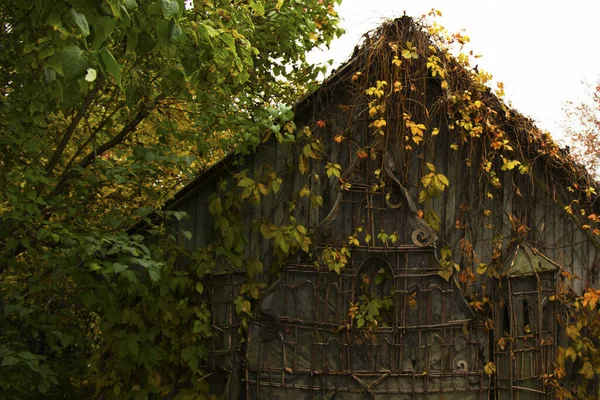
[{"x": 107, "y": 107}]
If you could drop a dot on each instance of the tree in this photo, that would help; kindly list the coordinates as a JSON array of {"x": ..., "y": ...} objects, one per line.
[
  {"x": 107, "y": 107},
  {"x": 583, "y": 131}
]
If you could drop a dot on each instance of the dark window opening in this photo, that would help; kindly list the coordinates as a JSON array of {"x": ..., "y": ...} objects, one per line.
[
  {"x": 526, "y": 325},
  {"x": 506, "y": 322}
]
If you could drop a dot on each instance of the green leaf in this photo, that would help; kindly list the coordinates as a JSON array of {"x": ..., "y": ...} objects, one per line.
[
  {"x": 119, "y": 267},
  {"x": 284, "y": 245},
  {"x": 95, "y": 267},
  {"x": 373, "y": 309},
  {"x": 112, "y": 66},
  {"x": 175, "y": 31},
  {"x": 254, "y": 267},
  {"x": 103, "y": 29},
  {"x": 74, "y": 62},
  {"x": 432, "y": 219},
  {"x": 49, "y": 74},
  {"x": 80, "y": 21},
  {"x": 215, "y": 207},
  {"x": 198, "y": 326},
  {"x": 124, "y": 15},
  {"x": 130, "y": 5},
  {"x": 154, "y": 272},
  {"x": 170, "y": 8},
  {"x": 9, "y": 360},
  {"x": 133, "y": 346},
  {"x": 27, "y": 355},
  {"x": 199, "y": 287},
  {"x": 244, "y": 182},
  {"x": 146, "y": 43}
]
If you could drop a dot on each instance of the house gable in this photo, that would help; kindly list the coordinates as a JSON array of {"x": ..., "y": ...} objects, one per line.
[{"x": 406, "y": 185}]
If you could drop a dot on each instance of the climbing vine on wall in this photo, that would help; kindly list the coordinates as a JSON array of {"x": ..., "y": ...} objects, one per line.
[{"x": 417, "y": 88}]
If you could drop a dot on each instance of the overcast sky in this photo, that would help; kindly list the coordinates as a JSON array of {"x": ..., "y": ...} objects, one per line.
[{"x": 541, "y": 50}]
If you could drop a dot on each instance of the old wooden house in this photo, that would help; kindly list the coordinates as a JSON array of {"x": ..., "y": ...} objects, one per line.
[{"x": 406, "y": 245}]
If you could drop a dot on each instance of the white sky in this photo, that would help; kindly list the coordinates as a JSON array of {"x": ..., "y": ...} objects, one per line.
[{"x": 541, "y": 50}]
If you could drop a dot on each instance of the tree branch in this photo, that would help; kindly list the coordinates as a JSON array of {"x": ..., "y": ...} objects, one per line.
[
  {"x": 87, "y": 102},
  {"x": 117, "y": 139},
  {"x": 93, "y": 135}
]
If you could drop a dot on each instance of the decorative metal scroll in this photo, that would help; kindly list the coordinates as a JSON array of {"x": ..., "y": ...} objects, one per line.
[{"x": 423, "y": 237}]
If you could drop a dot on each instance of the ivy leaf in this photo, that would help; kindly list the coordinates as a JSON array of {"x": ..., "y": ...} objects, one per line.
[
  {"x": 482, "y": 268},
  {"x": 215, "y": 207},
  {"x": 373, "y": 309},
  {"x": 245, "y": 182},
  {"x": 80, "y": 21},
  {"x": 490, "y": 368},
  {"x": 254, "y": 267},
  {"x": 587, "y": 371},
  {"x": 112, "y": 66},
  {"x": 74, "y": 61},
  {"x": 432, "y": 219},
  {"x": 445, "y": 273}
]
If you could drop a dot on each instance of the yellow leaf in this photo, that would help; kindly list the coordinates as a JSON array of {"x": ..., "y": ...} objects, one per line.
[
  {"x": 587, "y": 371},
  {"x": 305, "y": 192},
  {"x": 263, "y": 189},
  {"x": 482, "y": 268},
  {"x": 572, "y": 332},
  {"x": 303, "y": 165},
  {"x": 571, "y": 353},
  {"x": 490, "y": 368},
  {"x": 446, "y": 273}
]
